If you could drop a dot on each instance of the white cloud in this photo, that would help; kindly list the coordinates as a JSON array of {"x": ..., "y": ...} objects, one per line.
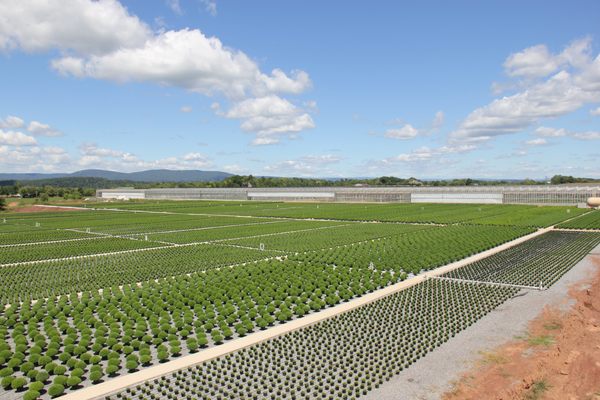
[
  {"x": 84, "y": 26},
  {"x": 91, "y": 149},
  {"x": 186, "y": 109},
  {"x": 305, "y": 166},
  {"x": 567, "y": 90},
  {"x": 595, "y": 112},
  {"x": 186, "y": 59},
  {"x": 550, "y": 132},
  {"x": 403, "y": 133},
  {"x": 32, "y": 159},
  {"x": 102, "y": 40},
  {"x": 100, "y": 157},
  {"x": 408, "y": 131},
  {"x": 590, "y": 135},
  {"x": 11, "y": 122},
  {"x": 235, "y": 169},
  {"x": 175, "y": 6},
  {"x": 554, "y": 132},
  {"x": 536, "y": 142},
  {"x": 537, "y": 61},
  {"x": 39, "y": 129},
  {"x": 269, "y": 117},
  {"x": 210, "y": 6},
  {"x": 438, "y": 120},
  {"x": 425, "y": 153},
  {"x": 13, "y": 138},
  {"x": 534, "y": 61}
]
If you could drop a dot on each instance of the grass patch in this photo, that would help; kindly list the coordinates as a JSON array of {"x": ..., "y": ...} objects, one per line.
[
  {"x": 542, "y": 340},
  {"x": 552, "y": 326},
  {"x": 538, "y": 388},
  {"x": 492, "y": 358}
]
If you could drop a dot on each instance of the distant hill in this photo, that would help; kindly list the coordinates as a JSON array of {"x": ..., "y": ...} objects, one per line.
[{"x": 155, "y": 175}]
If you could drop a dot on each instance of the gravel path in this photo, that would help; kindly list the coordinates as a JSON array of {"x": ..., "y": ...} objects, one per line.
[{"x": 433, "y": 375}]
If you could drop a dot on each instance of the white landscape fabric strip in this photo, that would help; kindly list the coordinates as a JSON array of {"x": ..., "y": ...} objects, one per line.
[{"x": 115, "y": 385}]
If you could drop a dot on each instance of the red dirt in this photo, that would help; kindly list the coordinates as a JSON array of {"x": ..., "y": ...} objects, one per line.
[
  {"x": 560, "y": 360},
  {"x": 33, "y": 209}
]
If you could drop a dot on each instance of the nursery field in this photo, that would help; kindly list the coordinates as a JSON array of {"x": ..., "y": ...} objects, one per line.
[
  {"x": 91, "y": 295},
  {"x": 590, "y": 220},
  {"x": 538, "y": 262},
  {"x": 521, "y": 215}
]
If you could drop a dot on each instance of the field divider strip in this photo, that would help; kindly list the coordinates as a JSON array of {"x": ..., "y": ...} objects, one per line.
[
  {"x": 115, "y": 385},
  {"x": 276, "y": 233},
  {"x": 166, "y": 246},
  {"x": 572, "y": 218},
  {"x": 577, "y": 230},
  {"x": 204, "y": 228},
  {"x": 95, "y": 255},
  {"x": 491, "y": 283},
  {"x": 110, "y": 235}
]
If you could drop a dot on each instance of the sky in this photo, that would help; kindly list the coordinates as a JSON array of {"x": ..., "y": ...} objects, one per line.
[{"x": 430, "y": 89}]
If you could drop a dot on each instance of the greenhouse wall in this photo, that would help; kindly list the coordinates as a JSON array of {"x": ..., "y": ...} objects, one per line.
[
  {"x": 541, "y": 195},
  {"x": 475, "y": 198}
]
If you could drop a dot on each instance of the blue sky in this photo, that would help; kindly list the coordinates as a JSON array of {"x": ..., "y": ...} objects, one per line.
[{"x": 506, "y": 89}]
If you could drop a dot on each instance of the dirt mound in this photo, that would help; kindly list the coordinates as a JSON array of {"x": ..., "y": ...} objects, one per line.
[{"x": 559, "y": 359}]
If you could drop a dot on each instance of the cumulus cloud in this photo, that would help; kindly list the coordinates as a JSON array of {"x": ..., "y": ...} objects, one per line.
[
  {"x": 102, "y": 40},
  {"x": 269, "y": 117},
  {"x": 235, "y": 169},
  {"x": 536, "y": 142},
  {"x": 426, "y": 153},
  {"x": 11, "y": 122},
  {"x": 186, "y": 109},
  {"x": 595, "y": 112},
  {"x": 84, "y": 26},
  {"x": 538, "y": 61},
  {"x": 39, "y": 129},
  {"x": 554, "y": 132},
  {"x": 186, "y": 59},
  {"x": 534, "y": 61},
  {"x": 408, "y": 131},
  {"x": 33, "y": 159},
  {"x": 14, "y": 138},
  {"x": 403, "y": 133},
  {"x": 95, "y": 156},
  {"x": 589, "y": 135},
  {"x": 550, "y": 132},
  {"x": 305, "y": 166},
  {"x": 572, "y": 87}
]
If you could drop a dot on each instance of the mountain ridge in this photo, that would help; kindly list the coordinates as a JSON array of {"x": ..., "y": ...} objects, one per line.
[{"x": 151, "y": 175}]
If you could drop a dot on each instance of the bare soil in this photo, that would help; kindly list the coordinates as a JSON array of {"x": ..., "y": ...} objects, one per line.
[{"x": 558, "y": 359}]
